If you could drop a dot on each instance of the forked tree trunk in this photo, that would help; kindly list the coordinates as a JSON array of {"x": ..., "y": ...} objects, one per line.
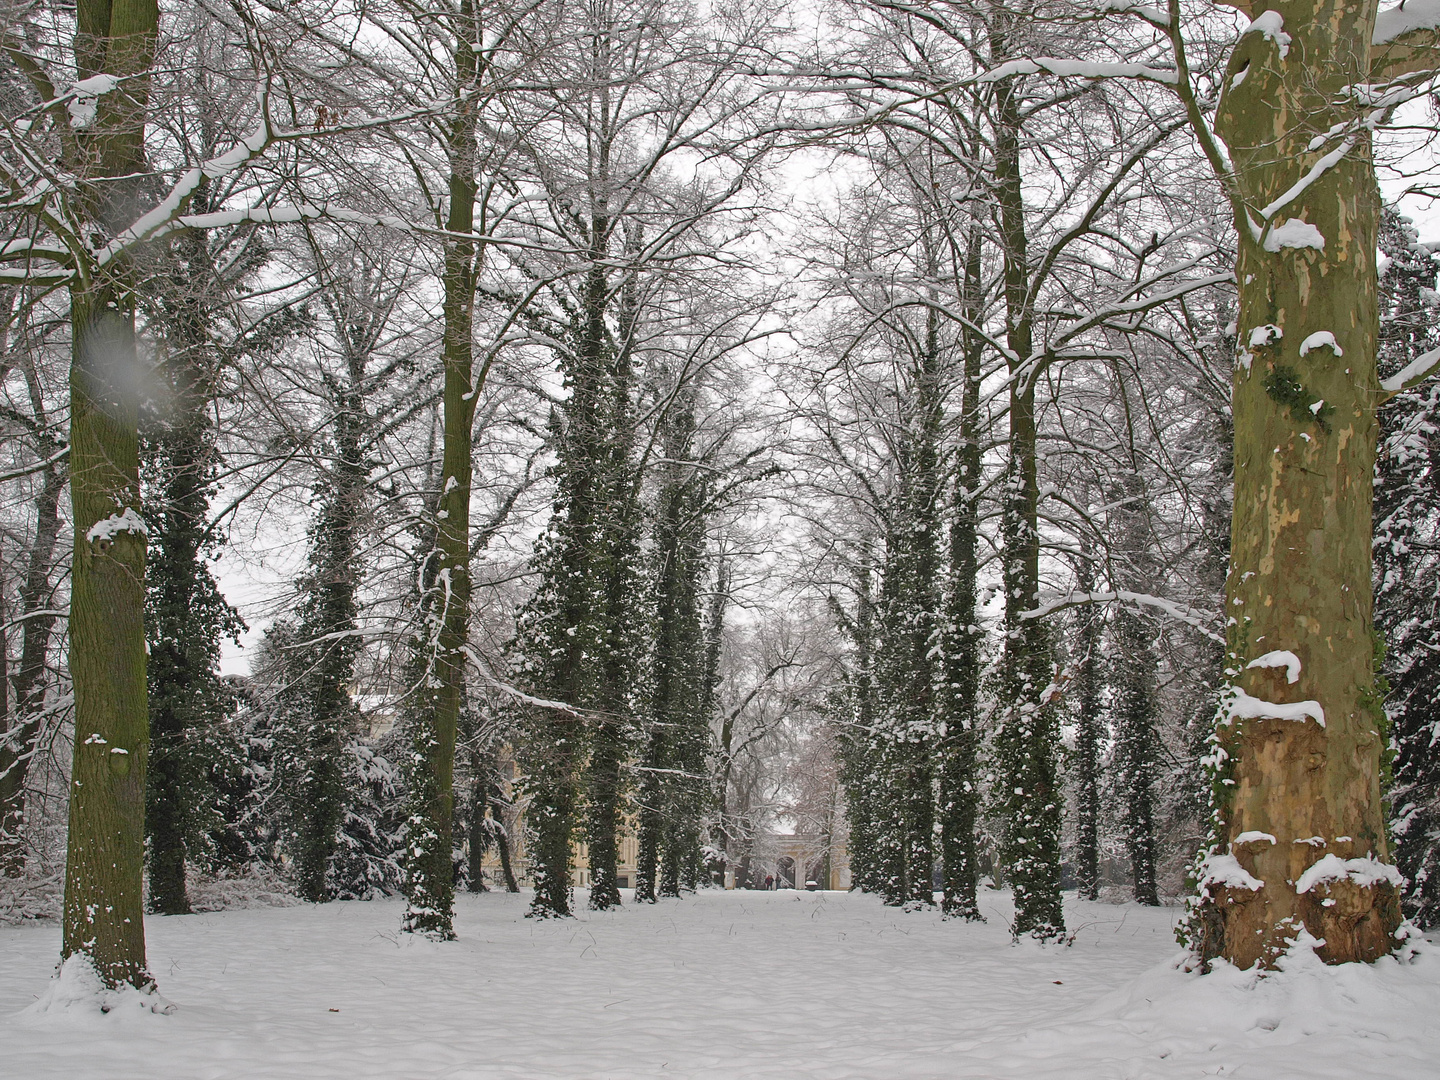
[{"x": 1300, "y": 743}]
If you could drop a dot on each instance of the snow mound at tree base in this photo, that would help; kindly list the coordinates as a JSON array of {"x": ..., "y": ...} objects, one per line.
[
  {"x": 78, "y": 991},
  {"x": 1231, "y": 1018}
]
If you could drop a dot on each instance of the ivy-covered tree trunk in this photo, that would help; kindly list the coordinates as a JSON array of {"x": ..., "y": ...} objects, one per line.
[
  {"x": 563, "y": 631},
  {"x": 430, "y": 880},
  {"x": 858, "y": 742},
  {"x": 326, "y": 716},
  {"x": 921, "y": 711},
  {"x": 1135, "y": 747},
  {"x": 1089, "y": 735},
  {"x": 906, "y": 658},
  {"x": 1302, "y": 840},
  {"x": 650, "y": 816},
  {"x": 718, "y": 743},
  {"x": 613, "y": 723},
  {"x": 709, "y": 811},
  {"x": 186, "y": 615},
  {"x": 1135, "y": 677},
  {"x": 680, "y": 675},
  {"x": 959, "y": 794},
  {"x": 1027, "y": 743},
  {"x": 103, "y": 916}
]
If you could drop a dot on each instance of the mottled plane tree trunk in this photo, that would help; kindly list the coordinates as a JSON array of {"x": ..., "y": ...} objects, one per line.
[{"x": 1301, "y": 843}]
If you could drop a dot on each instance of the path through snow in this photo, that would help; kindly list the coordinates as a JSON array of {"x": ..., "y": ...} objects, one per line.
[{"x": 737, "y": 985}]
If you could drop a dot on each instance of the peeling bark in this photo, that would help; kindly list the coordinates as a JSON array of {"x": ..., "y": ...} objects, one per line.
[{"x": 1305, "y": 433}]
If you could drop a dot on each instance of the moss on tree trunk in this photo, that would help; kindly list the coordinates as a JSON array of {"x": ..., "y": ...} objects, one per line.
[{"x": 1293, "y": 789}]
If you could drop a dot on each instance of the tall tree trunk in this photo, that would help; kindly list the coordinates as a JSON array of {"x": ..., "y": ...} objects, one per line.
[
  {"x": 430, "y": 874},
  {"x": 860, "y": 748},
  {"x": 560, "y": 626},
  {"x": 1135, "y": 747},
  {"x": 1090, "y": 731},
  {"x": 329, "y": 714},
  {"x": 613, "y": 724},
  {"x": 1028, "y": 740},
  {"x": 681, "y": 679},
  {"x": 959, "y": 801},
  {"x": 719, "y": 796},
  {"x": 919, "y": 711},
  {"x": 1300, "y": 743},
  {"x": 1136, "y": 676},
  {"x": 174, "y": 769},
  {"x": 103, "y": 916},
  {"x": 185, "y": 614},
  {"x": 650, "y": 817}
]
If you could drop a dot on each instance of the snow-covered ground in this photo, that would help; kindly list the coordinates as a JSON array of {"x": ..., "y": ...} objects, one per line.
[{"x": 737, "y": 985}]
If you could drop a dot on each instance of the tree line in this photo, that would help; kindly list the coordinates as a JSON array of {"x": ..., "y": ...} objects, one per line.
[{"x": 581, "y": 445}]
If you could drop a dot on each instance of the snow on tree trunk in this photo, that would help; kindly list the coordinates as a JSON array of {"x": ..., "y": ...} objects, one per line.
[
  {"x": 1027, "y": 744},
  {"x": 1299, "y": 740},
  {"x": 1089, "y": 735},
  {"x": 103, "y": 918},
  {"x": 959, "y": 784},
  {"x": 430, "y": 886}
]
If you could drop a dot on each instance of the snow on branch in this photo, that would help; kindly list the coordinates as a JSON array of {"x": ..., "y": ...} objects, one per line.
[
  {"x": 29, "y": 249},
  {"x": 1080, "y": 69},
  {"x": 1179, "y": 612},
  {"x": 1405, "y": 40},
  {"x": 1152, "y": 15},
  {"x": 1405, "y": 17},
  {"x": 1326, "y": 162},
  {"x": 514, "y": 692},
  {"x": 530, "y": 699},
  {"x": 1413, "y": 373},
  {"x": 162, "y": 218},
  {"x": 168, "y": 216}
]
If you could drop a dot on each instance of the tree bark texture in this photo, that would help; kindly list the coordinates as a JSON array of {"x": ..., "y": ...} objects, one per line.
[
  {"x": 103, "y": 917},
  {"x": 959, "y": 797},
  {"x": 431, "y": 880},
  {"x": 1028, "y": 740},
  {"x": 1089, "y": 735},
  {"x": 1300, "y": 744}
]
